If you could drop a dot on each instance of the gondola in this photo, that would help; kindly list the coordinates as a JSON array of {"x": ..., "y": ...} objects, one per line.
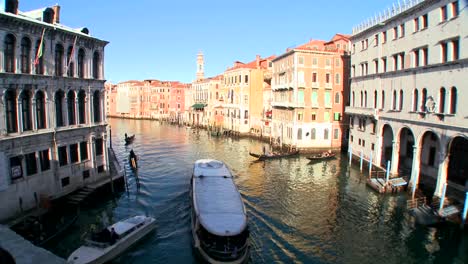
[
  {"x": 274, "y": 155},
  {"x": 133, "y": 162},
  {"x": 129, "y": 140},
  {"x": 322, "y": 156}
]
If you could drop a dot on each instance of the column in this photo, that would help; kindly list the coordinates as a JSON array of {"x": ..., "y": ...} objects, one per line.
[
  {"x": 92, "y": 144},
  {"x": 19, "y": 113},
  {"x": 415, "y": 166},
  {"x": 77, "y": 110},
  {"x": 442, "y": 172},
  {"x": 64, "y": 103},
  {"x": 34, "y": 115},
  {"x": 395, "y": 157}
]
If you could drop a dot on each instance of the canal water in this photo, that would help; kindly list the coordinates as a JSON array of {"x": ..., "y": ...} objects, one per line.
[{"x": 298, "y": 211}]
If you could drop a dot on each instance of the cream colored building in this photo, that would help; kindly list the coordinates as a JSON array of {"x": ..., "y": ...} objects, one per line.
[
  {"x": 408, "y": 85},
  {"x": 53, "y": 137}
]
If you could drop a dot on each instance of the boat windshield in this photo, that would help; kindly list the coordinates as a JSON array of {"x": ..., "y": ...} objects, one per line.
[{"x": 223, "y": 248}]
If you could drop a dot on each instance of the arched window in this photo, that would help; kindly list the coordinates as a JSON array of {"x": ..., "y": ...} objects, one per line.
[
  {"x": 362, "y": 99},
  {"x": 59, "y": 60},
  {"x": 97, "y": 106},
  {"x": 299, "y": 133},
  {"x": 39, "y": 62},
  {"x": 81, "y": 107},
  {"x": 40, "y": 110},
  {"x": 10, "y": 110},
  {"x": 394, "y": 101},
  {"x": 423, "y": 100},
  {"x": 325, "y": 133},
  {"x": 71, "y": 108},
  {"x": 81, "y": 66},
  {"x": 415, "y": 100},
  {"x": 70, "y": 63},
  {"x": 365, "y": 99},
  {"x": 337, "y": 98},
  {"x": 401, "y": 100},
  {"x": 25, "y": 55},
  {"x": 442, "y": 100},
  {"x": 382, "y": 106},
  {"x": 313, "y": 133},
  {"x": 453, "y": 101},
  {"x": 375, "y": 99},
  {"x": 337, "y": 78},
  {"x": 9, "y": 53},
  {"x": 59, "y": 96},
  {"x": 25, "y": 99},
  {"x": 96, "y": 65}
]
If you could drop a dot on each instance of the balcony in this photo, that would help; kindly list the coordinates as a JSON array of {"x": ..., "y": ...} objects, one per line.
[
  {"x": 371, "y": 112},
  {"x": 283, "y": 104},
  {"x": 328, "y": 86}
]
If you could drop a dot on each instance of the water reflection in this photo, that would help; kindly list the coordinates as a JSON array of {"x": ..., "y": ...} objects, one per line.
[{"x": 299, "y": 211}]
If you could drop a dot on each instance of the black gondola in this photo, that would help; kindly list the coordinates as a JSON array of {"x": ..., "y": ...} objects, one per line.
[
  {"x": 132, "y": 159},
  {"x": 274, "y": 155},
  {"x": 129, "y": 140},
  {"x": 322, "y": 156}
]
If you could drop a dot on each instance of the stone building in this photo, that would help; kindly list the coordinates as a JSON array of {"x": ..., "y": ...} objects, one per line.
[
  {"x": 310, "y": 90},
  {"x": 53, "y": 137},
  {"x": 408, "y": 84}
]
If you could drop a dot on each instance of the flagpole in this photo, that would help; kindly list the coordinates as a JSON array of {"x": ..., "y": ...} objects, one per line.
[{"x": 39, "y": 50}]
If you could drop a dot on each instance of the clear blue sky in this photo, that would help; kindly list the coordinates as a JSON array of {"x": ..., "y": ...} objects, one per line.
[{"x": 159, "y": 39}]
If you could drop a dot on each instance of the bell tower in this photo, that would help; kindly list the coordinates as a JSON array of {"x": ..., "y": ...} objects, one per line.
[{"x": 200, "y": 66}]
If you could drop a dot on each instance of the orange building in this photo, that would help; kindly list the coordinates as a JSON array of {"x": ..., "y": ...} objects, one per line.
[{"x": 310, "y": 90}]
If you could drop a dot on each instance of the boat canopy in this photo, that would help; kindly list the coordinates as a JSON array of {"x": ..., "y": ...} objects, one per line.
[
  {"x": 124, "y": 226},
  {"x": 217, "y": 201}
]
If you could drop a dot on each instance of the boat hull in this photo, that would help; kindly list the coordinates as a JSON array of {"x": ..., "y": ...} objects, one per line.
[{"x": 99, "y": 256}]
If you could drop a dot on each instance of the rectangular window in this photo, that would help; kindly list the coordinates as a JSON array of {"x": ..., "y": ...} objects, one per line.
[
  {"x": 372, "y": 146},
  {"x": 314, "y": 98},
  {"x": 300, "y": 97},
  {"x": 425, "y": 57},
  {"x": 314, "y": 61},
  {"x": 444, "y": 52},
  {"x": 246, "y": 78},
  {"x": 443, "y": 13},
  {"x": 337, "y": 116},
  {"x": 395, "y": 33},
  {"x": 74, "y": 153},
  {"x": 384, "y": 36},
  {"x": 326, "y": 116},
  {"x": 31, "y": 163},
  {"x": 65, "y": 181},
  {"x": 246, "y": 114},
  {"x": 454, "y": 9},
  {"x": 313, "y": 117},
  {"x": 62, "y": 155},
  {"x": 384, "y": 64},
  {"x": 337, "y": 62},
  {"x": 416, "y": 58},
  {"x": 99, "y": 146},
  {"x": 327, "y": 62},
  {"x": 301, "y": 60},
  {"x": 456, "y": 49},
  {"x": 336, "y": 133},
  {"x": 328, "y": 102},
  {"x": 376, "y": 66},
  {"x": 416, "y": 24},
  {"x": 16, "y": 169},
  {"x": 44, "y": 159},
  {"x": 376, "y": 40},
  {"x": 327, "y": 78},
  {"x": 425, "y": 21},
  {"x": 300, "y": 116},
  {"x": 402, "y": 30},
  {"x": 314, "y": 77}
]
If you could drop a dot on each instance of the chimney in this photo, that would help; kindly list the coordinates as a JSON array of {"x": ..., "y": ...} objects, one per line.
[
  {"x": 56, "y": 9},
  {"x": 257, "y": 61}
]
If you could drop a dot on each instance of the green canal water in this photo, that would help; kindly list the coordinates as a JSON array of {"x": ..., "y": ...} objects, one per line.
[{"x": 298, "y": 211}]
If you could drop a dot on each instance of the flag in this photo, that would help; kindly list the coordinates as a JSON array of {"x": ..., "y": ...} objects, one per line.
[
  {"x": 39, "y": 49},
  {"x": 72, "y": 53}
]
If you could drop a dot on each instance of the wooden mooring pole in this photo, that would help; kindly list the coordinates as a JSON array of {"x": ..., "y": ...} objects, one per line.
[
  {"x": 465, "y": 210},
  {"x": 370, "y": 164}
]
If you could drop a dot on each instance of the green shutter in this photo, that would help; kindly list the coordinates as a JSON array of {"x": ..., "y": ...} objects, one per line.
[
  {"x": 326, "y": 116},
  {"x": 327, "y": 99},
  {"x": 300, "y": 97},
  {"x": 314, "y": 98}
]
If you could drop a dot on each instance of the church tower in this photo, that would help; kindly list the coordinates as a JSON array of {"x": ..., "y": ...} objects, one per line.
[{"x": 200, "y": 67}]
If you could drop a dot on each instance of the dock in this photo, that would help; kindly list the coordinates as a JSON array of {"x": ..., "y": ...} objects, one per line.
[{"x": 393, "y": 185}]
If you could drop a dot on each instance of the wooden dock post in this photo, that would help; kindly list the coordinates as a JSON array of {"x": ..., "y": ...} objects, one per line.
[
  {"x": 370, "y": 164},
  {"x": 413, "y": 188},
  {"x": 350, "y": 154},
  {"x": 442, "y": 197},
  {"x": 465, "y": 209},
  {"x": 387, "y": 173},
  {"x": 362, "y": 158}
]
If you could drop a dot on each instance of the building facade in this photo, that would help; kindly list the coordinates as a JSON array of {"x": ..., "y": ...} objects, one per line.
[
  {"x": 53, "y": 137},
  {"x": 408, "y": 83},
  {"x": 310, "y": 90}
]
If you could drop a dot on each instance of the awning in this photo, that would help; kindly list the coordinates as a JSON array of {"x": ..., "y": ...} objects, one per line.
[{"x": 198, "y": 106}]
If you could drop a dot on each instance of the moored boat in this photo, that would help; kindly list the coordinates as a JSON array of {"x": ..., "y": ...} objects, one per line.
[
  {"x": 129, "y": 140},
  {"x": 219, "y": 220},
  {"x": 322, "y": 156},
  {"x": 113, "y": 240},
  {"x": 274, "y": 155}
]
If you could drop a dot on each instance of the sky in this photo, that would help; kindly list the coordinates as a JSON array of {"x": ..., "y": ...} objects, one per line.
[{"x": 160, "y": 39}]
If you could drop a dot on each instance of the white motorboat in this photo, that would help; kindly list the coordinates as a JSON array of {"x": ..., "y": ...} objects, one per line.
[
  {"x": 219, "y": 219},
  {"x": 113, "y": 240}
]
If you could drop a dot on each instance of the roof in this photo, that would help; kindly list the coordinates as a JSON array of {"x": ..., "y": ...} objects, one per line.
[
  {"x": 127, "y": 224},
  {"x": 217, "y": 201}
]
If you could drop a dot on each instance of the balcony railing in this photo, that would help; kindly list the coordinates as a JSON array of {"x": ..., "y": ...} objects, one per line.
[{"x": 372, "y": 112}]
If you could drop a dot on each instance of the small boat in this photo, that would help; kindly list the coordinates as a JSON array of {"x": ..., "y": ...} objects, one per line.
[
  {"x": 219, "y": 220},
  {"x": 274, "y": 155},
  {"x": 129, "y": 140},
  {"x": 133, "y": 160},
  {"x": 113, "y": 240},
  {"x": 322, "y": 156}
]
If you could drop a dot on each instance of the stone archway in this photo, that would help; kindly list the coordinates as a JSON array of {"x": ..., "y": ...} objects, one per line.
[
  {"x": 405, "y": 159},
  {"x": 457, "y": 171},
  {"x": 387, "y": 145},
  {"x": 429, "y": 162}
]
